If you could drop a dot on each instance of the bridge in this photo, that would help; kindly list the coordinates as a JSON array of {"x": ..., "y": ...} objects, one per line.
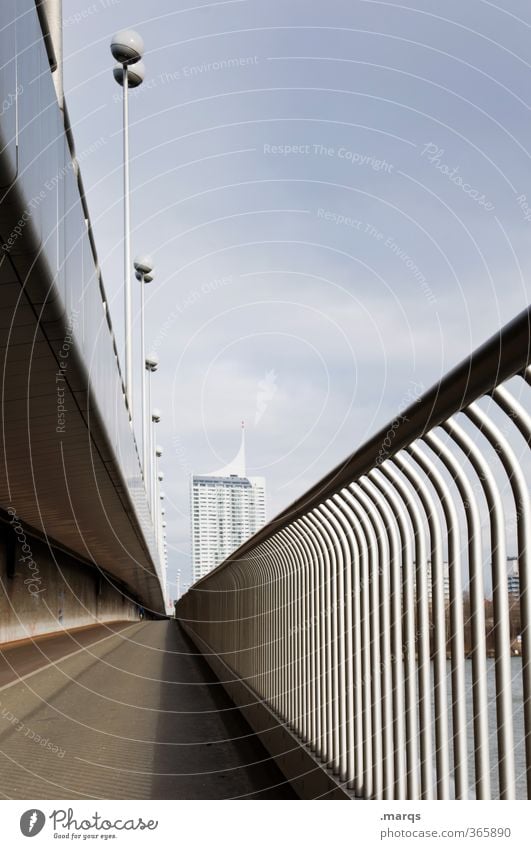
[{"x": 345, "y": 651}]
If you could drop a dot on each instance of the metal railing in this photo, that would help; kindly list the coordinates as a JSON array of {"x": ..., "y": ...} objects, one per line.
[{"x": 400, "y": 684}]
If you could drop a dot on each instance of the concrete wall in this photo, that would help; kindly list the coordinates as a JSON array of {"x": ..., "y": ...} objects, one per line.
[{"x": 43, "y": 590}]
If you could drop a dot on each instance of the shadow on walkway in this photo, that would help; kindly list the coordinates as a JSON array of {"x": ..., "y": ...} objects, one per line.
[{"x": 218, "y": 756}]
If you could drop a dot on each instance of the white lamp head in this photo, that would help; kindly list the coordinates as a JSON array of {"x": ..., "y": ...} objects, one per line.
[
  {"x": 152, "y": 362},
  {"x": 158, "y": 451},
  {"x": 160, "y": 476},
  {"x": 155, "y": 415},
  {"x": 127, "y": 46},
  {"x": 135, "y": 74},
  {"x": 143, "y": 263}
]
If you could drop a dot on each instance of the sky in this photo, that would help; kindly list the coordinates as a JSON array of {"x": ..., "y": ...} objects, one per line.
[{"x": 337, "y": 198}]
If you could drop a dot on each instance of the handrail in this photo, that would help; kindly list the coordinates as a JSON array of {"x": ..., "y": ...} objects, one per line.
[
  {"x": 347, "y": 612},
  {"x": 504, "y": 355}
]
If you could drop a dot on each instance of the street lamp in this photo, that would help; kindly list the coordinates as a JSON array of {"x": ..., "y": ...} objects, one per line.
[
  {"x": 152, "y": 365},
  {"x": 158, "y": 455},
  {"x": 155, "y": 419},
  {"x": 144, "y": 273},
  {"x": 127, "y": 48},
  {"x": 161, "y": 512},
  {"x": 135, "y": 76}
]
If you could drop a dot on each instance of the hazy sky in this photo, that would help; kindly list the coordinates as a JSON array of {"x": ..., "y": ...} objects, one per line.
[{"x": 335, "y": 194}]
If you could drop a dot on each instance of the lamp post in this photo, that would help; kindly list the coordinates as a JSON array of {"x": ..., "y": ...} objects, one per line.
[
  {"x": 155, "y": 419},
  {"x": 162, "y": 496},
  {"x": 127, "y": 48},
  {"x": 152, "y": 364},
  {"x": 161, "y": 512},
  {"x": 144, "y": 273}
]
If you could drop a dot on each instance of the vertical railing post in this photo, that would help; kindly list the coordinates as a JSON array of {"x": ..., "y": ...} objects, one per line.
[
  {"x": 439, "y": 625},
  {"x": 501, "y": 607},
  {"x": 457, "y": 641},
  {"x": 405, "y": 606},
  {"x": 477, "y": 613}
]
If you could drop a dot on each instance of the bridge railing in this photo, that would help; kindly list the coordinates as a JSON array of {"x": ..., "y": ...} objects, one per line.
[{"x": 359, "y": 617}]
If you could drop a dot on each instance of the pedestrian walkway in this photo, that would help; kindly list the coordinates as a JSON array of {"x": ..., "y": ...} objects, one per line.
[{"x": 135, "y": 715}]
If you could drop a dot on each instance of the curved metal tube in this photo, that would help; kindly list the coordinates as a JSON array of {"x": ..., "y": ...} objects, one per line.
[
  {"x": 363, "y": 781},
  {"x": 519, "y": 415},
  {"x": 522, "y": 503},
  {"x": 457, "y": 640},
  {"x": 330, "y": 552},
  {"x": 322, "y": 646},
  {"x": 384, "y": 629},
  {"x": 407, "y": 657},
  {"x": 353, "y": 672},
  {"x": 522, "y": 421},
  {"x": 397, "y": 669},
  {"x": 325, "y": 641},
  {"x": 283, "y": 658},
  {"x": 439, "y": 625},
  {"x": 501, "y": 606},
  {"x": 269, "y": 627},
  {"x": 477, "y": 612},
  {"x": 344, "y": 594},
  {"x": 307, "y": 566},
  {"x": 315, "y": 670},
  {"x": 423, "y": 628},
  {"x": 372, "y": 750}
]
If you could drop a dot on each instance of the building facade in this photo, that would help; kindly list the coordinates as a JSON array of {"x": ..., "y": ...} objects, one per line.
[
  {"x": 513, "y": 576},
  {"x": 227, "y": 507},
  {"x": 446, "y": 581}
]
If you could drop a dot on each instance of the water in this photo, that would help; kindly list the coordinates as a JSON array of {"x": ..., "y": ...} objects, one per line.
[{"x": 518, "y": 720}]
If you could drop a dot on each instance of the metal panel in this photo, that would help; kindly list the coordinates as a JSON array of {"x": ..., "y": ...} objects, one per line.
[{"x": 9, "y": 93}]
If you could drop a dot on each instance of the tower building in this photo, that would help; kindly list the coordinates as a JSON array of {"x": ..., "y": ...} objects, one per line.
[{"x": 227, "y": 507}]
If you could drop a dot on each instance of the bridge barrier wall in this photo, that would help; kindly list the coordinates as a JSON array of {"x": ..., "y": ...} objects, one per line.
[
  {"x": 44, "y": 589},
  {"x": 48, "y": 251}
]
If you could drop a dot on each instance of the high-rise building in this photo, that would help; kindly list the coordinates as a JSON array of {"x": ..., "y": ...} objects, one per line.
[
  {"x": 446, "y": 581},
  {"x": 227, "y": 507},
  {"x": 513, "y": 576}
]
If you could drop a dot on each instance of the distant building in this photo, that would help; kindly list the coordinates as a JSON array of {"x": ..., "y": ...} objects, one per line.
[
  {"x": 513, "y": 576},
  {"x": 227, "y": 507},
  {"x": 446, "y": 581}
]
